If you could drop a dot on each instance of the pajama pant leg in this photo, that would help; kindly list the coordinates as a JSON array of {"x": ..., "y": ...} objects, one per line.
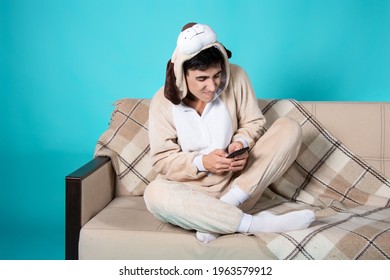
[
  {"x": 181, "y": 205},
  {"x": 269, "y": 159}
]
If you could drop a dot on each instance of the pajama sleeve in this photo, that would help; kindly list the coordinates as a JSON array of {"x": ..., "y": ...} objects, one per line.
[
  {"x": 250, "y": 119},
  {"x": 167, "y": 157}
]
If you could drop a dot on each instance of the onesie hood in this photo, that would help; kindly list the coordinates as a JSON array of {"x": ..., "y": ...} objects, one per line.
[{"x": 193, "y": 38}]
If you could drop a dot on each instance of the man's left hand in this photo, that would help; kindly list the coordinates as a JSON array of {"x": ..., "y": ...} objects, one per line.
[{"x": 239, "y": 161}]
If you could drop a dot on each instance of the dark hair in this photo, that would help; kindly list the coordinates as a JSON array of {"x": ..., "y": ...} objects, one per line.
[{"x": 204, "y": 60}]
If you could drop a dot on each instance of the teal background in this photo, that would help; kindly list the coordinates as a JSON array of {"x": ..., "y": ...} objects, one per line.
[{"x": 63, "y": 63}]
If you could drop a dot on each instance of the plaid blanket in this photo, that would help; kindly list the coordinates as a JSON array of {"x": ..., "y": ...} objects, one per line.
[
  {"x": 351, "y": 199},
  {"x": 126, "y": 142}
]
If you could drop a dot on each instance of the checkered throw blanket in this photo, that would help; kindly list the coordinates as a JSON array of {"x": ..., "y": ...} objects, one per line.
[{"x": 351, "y": 199}]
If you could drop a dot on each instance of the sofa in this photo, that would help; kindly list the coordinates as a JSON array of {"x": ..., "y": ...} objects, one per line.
[{"x": 342, "y": 173}]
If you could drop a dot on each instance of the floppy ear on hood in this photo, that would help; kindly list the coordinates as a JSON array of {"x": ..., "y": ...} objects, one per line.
[
  {"x": 171, "y": 91},
  {"x": 229, "y": 53}
]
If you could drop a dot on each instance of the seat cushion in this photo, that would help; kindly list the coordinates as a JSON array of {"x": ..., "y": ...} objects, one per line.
[{"x": 126, "y": 230}]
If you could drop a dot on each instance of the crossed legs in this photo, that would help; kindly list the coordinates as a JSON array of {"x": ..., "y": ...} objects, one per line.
[{"x": 185, "y": 206}]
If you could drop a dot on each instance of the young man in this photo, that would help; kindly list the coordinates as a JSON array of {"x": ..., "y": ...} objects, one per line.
[{"x": 207, "y": 110}]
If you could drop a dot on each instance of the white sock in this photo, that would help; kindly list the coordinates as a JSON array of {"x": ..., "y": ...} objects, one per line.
[
  {"x": 269, "y": 222},
  {"x": 206, "y": 237},
  {"x": 235, "y": 196}
]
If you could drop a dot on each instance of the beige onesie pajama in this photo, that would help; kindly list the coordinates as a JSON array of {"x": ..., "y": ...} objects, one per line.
[{"x": 184, "y": 193}]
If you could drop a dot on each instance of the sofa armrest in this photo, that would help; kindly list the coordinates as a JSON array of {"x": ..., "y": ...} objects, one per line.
[{"x": 88, "y": 190}]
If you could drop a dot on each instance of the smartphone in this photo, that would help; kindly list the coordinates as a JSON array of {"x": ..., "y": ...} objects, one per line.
[{"x": 238, "y": 152}]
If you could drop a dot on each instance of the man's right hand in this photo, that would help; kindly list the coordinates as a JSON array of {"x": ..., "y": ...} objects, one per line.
[{"x": 216, "y": 162}]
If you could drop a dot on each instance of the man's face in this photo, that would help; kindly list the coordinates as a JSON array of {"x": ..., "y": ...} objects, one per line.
[{"x": 204, "y": 84}]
